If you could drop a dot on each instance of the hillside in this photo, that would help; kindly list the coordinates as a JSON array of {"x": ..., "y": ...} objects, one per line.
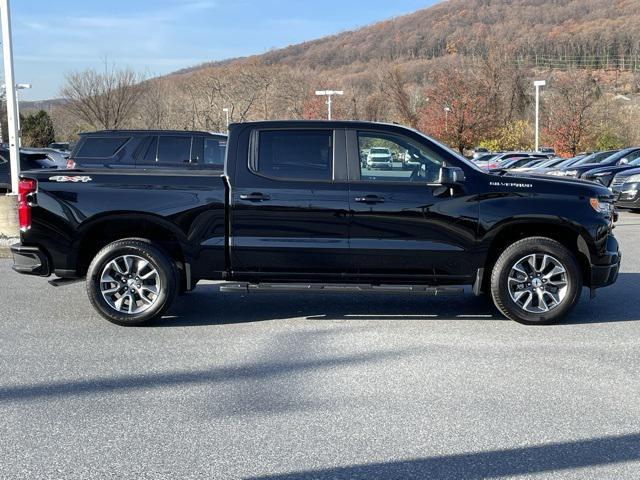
[
  {"x": 460, "y": 71},
  {"x": 550, "y": 32}
]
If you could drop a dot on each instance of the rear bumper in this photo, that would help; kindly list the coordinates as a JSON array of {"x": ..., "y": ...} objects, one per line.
[
  {"x": 606, "y": 272},
  {"x": 30, "y": 261}
]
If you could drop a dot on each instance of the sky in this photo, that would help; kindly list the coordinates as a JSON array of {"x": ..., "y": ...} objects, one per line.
[{"x": 53, "y": 37}]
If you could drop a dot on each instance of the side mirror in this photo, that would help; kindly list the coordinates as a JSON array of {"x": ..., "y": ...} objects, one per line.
[
  {"x": 450, "y": 176},
  {"x": 623, "y": 161}
]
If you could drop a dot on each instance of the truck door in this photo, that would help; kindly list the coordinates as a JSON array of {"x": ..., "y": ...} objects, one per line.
[
  {"x": 289, "y": 215},
  {"x": 405, "y": 225}
]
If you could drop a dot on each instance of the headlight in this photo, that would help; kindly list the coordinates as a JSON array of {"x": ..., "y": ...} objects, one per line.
[
  {"x": 606, "y": 208},
  {"x": 571, "y": 173},
  {"x": 633, "y": 179}
]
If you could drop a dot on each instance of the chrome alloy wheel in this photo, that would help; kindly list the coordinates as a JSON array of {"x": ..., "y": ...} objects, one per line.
[
  {"x": 538, "y": 283},
  {"x": 130, "y": 284}
]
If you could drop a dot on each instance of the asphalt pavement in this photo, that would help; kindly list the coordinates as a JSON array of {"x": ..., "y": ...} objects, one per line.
[{"x": 300, "y": 386}]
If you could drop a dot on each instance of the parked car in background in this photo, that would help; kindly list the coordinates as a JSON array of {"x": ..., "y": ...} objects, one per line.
[
  {"x": 629, "y": 159},
  {"x": 537, "y": 166},
  {"x": 547, "y": 151},
  {"x": 29, "y": 160},
  {"x": 480, "y": 152},
  {"x": 511, "y": 164},
  {"x": 495, "y": 161},
  {"x": 565, "y": 163},
  {"x": 379, "y": 157},
  {"x": 626, "y": 187},
  {"x": 149, "y": 149},
  {"x": 576, "y": 169},
  {"x": 62, "y": 147},
  {"x": 56, "y": 156}
]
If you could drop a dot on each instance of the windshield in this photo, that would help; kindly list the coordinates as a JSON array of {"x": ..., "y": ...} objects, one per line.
[
  {"x": 547, "y": 163},
  {"x": 594, "y": 158},
  {"x": 485, "y": 158},
  {"x": 569, "y": 162}
]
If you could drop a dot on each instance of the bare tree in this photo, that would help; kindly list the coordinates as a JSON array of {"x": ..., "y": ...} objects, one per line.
[
  {"x": 571, "y": 119},
  {"x": 396, "y": 86},
  {"x": 103, "y": 99}
]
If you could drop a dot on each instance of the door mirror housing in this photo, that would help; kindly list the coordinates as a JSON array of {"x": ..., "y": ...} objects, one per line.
[{"x": 450, "y": 176}]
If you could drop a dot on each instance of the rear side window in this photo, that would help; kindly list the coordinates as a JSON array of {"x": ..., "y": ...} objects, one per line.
[
  {"x": 214, "y": 152},
  {"x": 101, "y": 147},
  {"x": 297, "y": 155},
  {"x": 174, "y": 150},
  {"x": 148, "y": 155}
]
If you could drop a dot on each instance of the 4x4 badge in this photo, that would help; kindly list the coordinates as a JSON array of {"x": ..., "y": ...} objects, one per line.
[{"x": 67, "y": 179}]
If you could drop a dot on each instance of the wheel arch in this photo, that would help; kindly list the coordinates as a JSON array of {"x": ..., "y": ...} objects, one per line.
[
  {"x": 563, "y": 232},
  {"x": 101, "y": 231}
]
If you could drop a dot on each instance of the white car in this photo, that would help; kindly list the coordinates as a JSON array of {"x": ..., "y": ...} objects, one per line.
[{"x": 379, "y": 158}]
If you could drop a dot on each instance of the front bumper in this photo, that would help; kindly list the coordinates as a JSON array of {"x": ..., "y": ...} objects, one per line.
[
  {"x": 628, "y": 196},
  {"x": 30, "y": 261},
  {"x": 606, "y": 271}
]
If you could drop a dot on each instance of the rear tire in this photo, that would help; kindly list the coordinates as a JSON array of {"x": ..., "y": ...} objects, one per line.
[
  {"x": 524, "y": 288},
  {"x": 131, "y": 282}
]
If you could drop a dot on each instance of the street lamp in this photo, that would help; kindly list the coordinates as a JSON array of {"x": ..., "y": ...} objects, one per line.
[
  {"x": 20, "y": 86},
  {"x": 12, "y": 111},
  {"x": 538, "y": 84},
  {"x": 226, "y": 110},
  {"x": 329, "y": 94}
]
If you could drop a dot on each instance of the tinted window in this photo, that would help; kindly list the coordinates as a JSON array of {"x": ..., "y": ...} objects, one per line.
[
  {"x": 302, "y": 155},
  {"x": 151, "y": 151},
  {"x": 197, "y": 150},
  {"x": 101, "y": 147},
  {"x": 214, "y": 152},
  {"x": 405, "y": 160},
  {"x": 174, "y": 150}
]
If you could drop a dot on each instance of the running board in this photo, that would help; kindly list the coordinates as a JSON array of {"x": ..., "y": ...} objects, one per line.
[{"x": 445, "y": 291}]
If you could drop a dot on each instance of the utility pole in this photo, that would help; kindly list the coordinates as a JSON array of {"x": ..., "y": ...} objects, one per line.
[
  {"x": 538, "y": 84},
  {"x": 12, "y": 107}
]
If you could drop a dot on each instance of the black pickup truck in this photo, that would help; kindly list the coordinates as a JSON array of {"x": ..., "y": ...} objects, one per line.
[{"x": 298, "y": 210}]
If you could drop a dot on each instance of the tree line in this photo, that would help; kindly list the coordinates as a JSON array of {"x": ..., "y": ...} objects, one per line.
[{"x": 462, "y": 101}]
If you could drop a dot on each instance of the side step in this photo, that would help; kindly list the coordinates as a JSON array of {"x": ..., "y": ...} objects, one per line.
[{"x": 445, "y": 291}]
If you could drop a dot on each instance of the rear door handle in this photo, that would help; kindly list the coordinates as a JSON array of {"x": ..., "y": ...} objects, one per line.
[
  {"x": 255, "y": 197},
  {"x": 370, "y": 199}
]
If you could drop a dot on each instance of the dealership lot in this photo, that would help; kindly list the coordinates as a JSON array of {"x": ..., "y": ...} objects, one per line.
[{"x": 304, "y": 386}]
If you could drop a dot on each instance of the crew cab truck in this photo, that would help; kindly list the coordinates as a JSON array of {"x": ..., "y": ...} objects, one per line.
[{"x": 296, "y": 210}]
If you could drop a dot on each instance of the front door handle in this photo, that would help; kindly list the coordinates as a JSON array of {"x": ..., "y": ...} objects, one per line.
[
  {"x": 370, "y": 199},
  {"x": 255, "y": 197}
]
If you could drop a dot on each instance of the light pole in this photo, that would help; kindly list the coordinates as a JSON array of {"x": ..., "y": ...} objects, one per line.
[
  {"x": 20, "y": 86},
  {"x": 447, "y": 109},
  {"x": 12, "y": 110},
  {"x": 538, "y": 84},
  {"x": 329, "y": 94},
  {"x": 226, "y": 110}
]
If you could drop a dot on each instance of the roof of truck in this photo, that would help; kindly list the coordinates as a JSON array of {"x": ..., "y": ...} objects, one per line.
[{"x": 152, "y": 132}]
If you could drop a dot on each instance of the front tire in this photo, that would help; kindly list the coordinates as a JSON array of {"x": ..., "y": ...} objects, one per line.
[
  {"x": 131, "y": 282},
  {"x": 536, "y": 281}
]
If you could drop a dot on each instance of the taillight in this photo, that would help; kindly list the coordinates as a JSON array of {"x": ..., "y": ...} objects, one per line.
[
  {"x": 26, "y": 187},
  {"x": 71, "y": 165}
]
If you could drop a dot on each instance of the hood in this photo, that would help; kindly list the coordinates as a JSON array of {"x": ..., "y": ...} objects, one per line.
[
  {"x": 550, "y": 185},
  {"x": 630, "y": 171},
  {"x": 611, "y": 168}
]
